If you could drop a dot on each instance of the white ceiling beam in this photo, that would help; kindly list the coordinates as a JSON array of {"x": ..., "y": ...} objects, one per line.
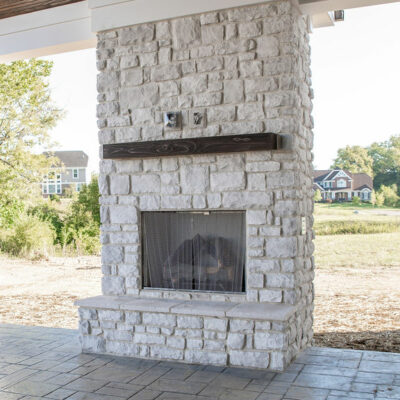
[
  {"x": 51, "y": 31},
  {"x": 312, "y": 7}
]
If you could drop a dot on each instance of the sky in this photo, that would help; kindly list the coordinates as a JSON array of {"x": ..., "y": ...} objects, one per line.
[{"x": 356, "y": 82}]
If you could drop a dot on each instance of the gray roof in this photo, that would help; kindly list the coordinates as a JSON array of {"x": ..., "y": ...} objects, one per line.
[{"x": 73, "y": 158}]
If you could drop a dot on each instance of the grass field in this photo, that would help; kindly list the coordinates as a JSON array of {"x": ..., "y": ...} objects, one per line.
[{"x": 357, "y": 285}]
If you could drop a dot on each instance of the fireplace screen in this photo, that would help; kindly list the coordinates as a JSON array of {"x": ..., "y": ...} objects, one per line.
[{"x": 194, "y": 251}]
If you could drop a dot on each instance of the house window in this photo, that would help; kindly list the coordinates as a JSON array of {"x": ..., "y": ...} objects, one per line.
[
  {"x": 75, "y": 173},
  {"x": 341, "y": 183},
  {"x": 78, "y": 187}
]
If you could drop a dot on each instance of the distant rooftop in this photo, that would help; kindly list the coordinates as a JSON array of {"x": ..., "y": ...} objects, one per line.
[{"x": 72, "y": 158}]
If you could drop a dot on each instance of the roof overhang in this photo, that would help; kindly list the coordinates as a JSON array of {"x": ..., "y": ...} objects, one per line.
[
  {"x": 321, "y": 14},
  {"x": 70, "y": 27}
]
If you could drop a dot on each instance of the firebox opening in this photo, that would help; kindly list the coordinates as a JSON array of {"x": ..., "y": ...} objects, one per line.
[{"x": 203, "y": 251}]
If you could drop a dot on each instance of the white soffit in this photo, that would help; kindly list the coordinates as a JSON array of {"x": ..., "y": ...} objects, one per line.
[
  {"x": 109, "y": 14},
  {"x": 51, "y": 31}
]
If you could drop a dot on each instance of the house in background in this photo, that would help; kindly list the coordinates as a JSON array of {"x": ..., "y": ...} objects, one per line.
[
  {"x": 342, "y": 185},
  {"x": 71, "y": 174}
]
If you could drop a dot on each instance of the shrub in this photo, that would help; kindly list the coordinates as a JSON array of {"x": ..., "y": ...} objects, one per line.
[
  {"x": 390, "y": 195},
  {"x": 354, "y": 227},
  {"x": 356, "y": 200},
  {"x": 29, "y": 237},
  {"x": 47, "y": 213},
  {"x": 317, "y": 195}
]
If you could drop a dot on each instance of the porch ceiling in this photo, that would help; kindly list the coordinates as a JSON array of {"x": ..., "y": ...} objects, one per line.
[{"x": 11, "y": 8}]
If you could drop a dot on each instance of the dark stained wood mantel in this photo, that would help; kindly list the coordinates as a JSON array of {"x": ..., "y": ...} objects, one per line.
[
  {"x": 185, "y": 147},
  {"x": 11, "y": 8}
]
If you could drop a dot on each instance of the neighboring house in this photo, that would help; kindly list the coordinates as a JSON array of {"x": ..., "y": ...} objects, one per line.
[
  {"x": 71, "y": 174},
  {"x": 341, "y": 185}
]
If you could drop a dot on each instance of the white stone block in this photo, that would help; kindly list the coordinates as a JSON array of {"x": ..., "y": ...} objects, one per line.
[
  {"x": 113, "y": 285},
  {"x": 205, "y": 357},
  {"x": 133, "y": 318},
  {"x": 110, "y": 315},
  {"x": 147, "y": 338},
  {"x": 234, "y": 91},
  {"x": 281, "y": 247},
  {"x": 186, "y": 32},
  {"x": 212, "y": 34},
  {"x": 253, "y": 359},
  {"x": 221, "y": 114},
  {"x": 194, "y": 84},
  {"x": 236, "y": 341},
  {"x": 93, "y": 344},
  {"x": 194, "y": 343},
  {"x": 250, "y": 111},
  {"x": 215, "y": 324},
  {"x": 217, "y": 345},
  {"x": 176, "y": 202},
  {"x": 241, "y": 325},
  {"x": 256, "y": 217},
  {"x": 136, "y": 34},
  {"x": 271, "y": 296},
  {"x": 190, "y": 322},
  {"x": 123, "y": 215},
  {"x": 148, "y": 183},
  {"x": 165, "y": 353},
  {"x": 112, "y": 254},
  {"x": 176, "y": 342},
  {"x": 285, "y": 281},
  {"x": 224, "y": 181},
  {"x": 156, "y": 319},
  {"x": 195, "y": 179},
  {"x": 270, "y": 341},
  {"x": 267, "y": 46}
]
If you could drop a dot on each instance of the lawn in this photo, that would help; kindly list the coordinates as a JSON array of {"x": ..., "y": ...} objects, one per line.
[{"x": 357, "y": 284}]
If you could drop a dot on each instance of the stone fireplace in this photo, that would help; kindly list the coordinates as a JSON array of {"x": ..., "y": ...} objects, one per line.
[{"x": 206, "y": 258}]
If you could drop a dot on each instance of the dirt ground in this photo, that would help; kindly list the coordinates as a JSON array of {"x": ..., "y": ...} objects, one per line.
[{"x": 354, "y": 308}]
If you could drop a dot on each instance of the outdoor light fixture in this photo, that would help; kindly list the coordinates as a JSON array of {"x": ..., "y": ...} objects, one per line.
[{"x": 339, "y": 15}]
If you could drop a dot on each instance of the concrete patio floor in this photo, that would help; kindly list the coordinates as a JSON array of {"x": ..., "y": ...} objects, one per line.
[{"x": 38, "y": 363}]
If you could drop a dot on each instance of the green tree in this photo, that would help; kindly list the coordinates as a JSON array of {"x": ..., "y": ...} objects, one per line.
[
  {"x": 26, "y": 116},
  {"x": 386, "y": 162},
  {"x": 354, "y": 159},
  {"x": 82, "y": 226}
]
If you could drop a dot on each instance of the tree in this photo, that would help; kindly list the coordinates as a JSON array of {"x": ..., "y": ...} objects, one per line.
[
  {"x": 386, "y": 162},
  {"x": 354, "y": 159},
  {"x": 26, "y": 116},
  {"x": 82, "y": 227}
]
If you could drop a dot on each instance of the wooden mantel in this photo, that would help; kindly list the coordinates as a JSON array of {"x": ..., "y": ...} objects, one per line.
[
  {"x": 185, "y": 147},
  {"x": 11, "y": 8}
]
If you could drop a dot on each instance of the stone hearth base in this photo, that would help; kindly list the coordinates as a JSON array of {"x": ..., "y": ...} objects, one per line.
[{"x": 238, "y": 334}]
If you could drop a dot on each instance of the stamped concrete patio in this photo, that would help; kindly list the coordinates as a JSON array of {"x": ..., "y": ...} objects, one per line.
[{"x": 38, "y": 362}]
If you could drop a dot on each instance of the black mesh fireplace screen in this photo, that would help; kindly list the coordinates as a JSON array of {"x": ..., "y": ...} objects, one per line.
[{"x": 194, "y": 251}]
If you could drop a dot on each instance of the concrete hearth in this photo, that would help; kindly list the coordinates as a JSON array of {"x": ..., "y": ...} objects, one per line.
[{"x": 247, "y": 71}]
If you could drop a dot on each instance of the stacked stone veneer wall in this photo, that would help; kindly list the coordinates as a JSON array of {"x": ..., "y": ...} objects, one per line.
[{"x": 249, "y": 70}]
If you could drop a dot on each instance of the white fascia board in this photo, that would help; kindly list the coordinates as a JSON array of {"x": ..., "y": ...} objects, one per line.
[
  {"x": 312, "y": 7},
  {"x": 51, "y": 31},
  {"x": 110, "y": 14}
]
